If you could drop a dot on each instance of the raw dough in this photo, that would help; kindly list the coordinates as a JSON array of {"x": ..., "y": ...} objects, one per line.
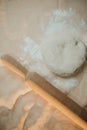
[{"x": 63, "y": 57}]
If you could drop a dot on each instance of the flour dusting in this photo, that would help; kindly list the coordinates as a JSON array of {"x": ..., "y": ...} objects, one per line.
[{"x": 32, "y": 57}]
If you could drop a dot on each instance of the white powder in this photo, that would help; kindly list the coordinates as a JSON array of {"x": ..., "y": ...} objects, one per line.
[
  {"x": 32, "y": 57},
  {"x": 33, "y": 61}
]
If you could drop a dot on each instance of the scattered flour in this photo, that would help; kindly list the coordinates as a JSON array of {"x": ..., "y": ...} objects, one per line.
[{"x": 32, "y": 57}]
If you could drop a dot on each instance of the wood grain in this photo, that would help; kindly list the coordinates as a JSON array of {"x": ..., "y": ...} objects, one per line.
[
  {"x": 49, "y": 92},
  {"x": 14, "y": 65},
  {"x": 57, "y": 94}
]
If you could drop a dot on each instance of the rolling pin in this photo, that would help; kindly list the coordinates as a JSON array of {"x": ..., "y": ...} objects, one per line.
[{"x": 46, "y": 90}]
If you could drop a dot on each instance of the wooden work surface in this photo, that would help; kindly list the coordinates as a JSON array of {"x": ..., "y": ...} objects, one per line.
[{"x": 20, "y": 20}]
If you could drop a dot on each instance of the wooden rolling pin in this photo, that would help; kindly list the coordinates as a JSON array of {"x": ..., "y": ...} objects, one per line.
[{"x": 47, "y": 91}]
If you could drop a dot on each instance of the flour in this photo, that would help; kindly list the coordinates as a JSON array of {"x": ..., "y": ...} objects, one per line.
[
  {"x": 32, "y": 57},
  {"x": 63, "y": 17},
  {"x": 32, "y": 60}
]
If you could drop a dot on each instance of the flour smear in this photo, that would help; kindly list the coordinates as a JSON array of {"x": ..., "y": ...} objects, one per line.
[{"x": 67, "y": 21}]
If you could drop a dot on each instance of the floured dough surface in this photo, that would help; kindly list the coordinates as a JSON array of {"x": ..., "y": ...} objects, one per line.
[{"x": 63, "y": 57}]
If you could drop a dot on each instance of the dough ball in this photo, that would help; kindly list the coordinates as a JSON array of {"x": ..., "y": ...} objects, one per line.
[{"x": 63, "y": 57}]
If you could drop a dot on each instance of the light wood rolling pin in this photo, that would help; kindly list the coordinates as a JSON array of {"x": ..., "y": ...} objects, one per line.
[{"x": 46, "y": 90}]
